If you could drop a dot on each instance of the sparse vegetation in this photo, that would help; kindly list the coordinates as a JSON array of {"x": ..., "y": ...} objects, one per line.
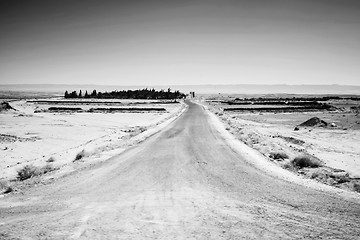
[
  {"x": 47, "y": 168},
  {"x": 318, "y": 175},
  {"x": 64, "y": 109},
  {"x": 281, "y": 109},
  {"x": 5, "y": 187},
  {"x": 28, "y": 171},
  {"x": 278, "y": 156},
  {"x": 299, "y": 145},
  {"x": 136, "y": 109},
  {"x": 292, "y": 140},
  {"x": 50, "y": 160},
  {"x": 305, "y": 161},
  {"x": 287, "y": 165},
  {"x": 80, "y": 155},
  {"x": 357, "y": 187},
  {"x": 5, "y": 106}
]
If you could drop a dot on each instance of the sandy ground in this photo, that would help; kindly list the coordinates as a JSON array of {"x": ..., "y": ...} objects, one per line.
[
  {"x": 189, "y": 181},
  {"x": 337, "y": 147},
  {"x": 33, "y": 138}
]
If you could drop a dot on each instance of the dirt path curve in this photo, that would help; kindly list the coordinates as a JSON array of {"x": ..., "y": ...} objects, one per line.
[{"x": 183, "y": 183}]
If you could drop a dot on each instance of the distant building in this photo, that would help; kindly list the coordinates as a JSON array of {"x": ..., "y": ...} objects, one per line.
[{"x": 192, "y": 94}]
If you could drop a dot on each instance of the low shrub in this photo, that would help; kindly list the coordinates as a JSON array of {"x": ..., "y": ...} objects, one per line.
[
  {"x": 288, "y": 166},
  {"x": 64, "y": 109},
  {"x": 278, "y": 155},
  {"x": 8, "y": 190},
  {"x": 47, "y": 168},
  {"x": 28, "y": 171},
  {"x": 319, "y": 174},
  {"x": 80, "y": 155},
  {"x": 340, "y": 176},
  {"x": 315, "y": 175},
  {"x": 51, "y": 159},
  {"x": 357, "y": 187},
  {"x": 306, "y": 161},
  {"x": 5, "y": 187}
]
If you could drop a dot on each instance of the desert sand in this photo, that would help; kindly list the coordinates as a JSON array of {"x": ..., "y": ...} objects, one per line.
[
  {"x": 192, "y": 180},
  {"x": 335, "y": 145},
  {"x": 31, "y": 135}
]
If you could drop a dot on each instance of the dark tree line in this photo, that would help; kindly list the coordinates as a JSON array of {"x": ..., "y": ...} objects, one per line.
[{"x": 128, "y": 94}]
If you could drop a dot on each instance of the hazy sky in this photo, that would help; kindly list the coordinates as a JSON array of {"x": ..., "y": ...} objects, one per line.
[{"x": 148, "y": 42}]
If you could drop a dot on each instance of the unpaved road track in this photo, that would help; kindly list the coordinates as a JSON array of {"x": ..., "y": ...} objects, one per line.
[{"x": 183, "y": 183}]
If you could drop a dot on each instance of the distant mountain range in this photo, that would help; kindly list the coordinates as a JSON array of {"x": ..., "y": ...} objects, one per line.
[{"x": 201, "y": 89}]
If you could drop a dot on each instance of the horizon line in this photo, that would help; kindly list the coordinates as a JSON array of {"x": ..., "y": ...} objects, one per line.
[{"x": 141, "y": 85}]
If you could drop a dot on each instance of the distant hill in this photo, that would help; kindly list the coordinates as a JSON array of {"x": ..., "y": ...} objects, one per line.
[{"x": 204, "y": 89}]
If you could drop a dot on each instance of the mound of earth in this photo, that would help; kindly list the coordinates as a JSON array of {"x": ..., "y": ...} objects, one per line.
[
  {"x": 314, "y": 122},
  {"x": 4, "y": 106}
]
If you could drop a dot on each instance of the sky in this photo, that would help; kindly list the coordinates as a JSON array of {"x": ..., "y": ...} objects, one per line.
[{"x": 144, "y": 42}]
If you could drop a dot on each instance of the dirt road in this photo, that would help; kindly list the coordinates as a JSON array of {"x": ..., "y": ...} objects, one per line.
[{"x": 183, "y": 183}]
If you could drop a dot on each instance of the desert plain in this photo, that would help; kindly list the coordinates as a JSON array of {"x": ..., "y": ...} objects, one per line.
[
  {"x": 330, "y": 136},
  {"x": 201, "y": 168},
  {"x": 31, "y": 134}
]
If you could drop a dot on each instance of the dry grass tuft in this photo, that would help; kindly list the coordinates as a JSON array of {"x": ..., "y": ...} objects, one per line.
[
  {"x": 80, "y": 155},
  {"x": 27, "y": 172},
  {"x": 356, "y": 187},
  {"x": 278, "y": 156},
  {"x": 306, "y": 161},
  {"x": 5, "y": 187},
  {"x": 47, "y": 168},
  {"x": 51, "y": 159},
  {"x": 30, "y": 171}
]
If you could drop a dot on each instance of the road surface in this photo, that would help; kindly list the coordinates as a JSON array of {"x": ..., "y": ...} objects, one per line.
[{"x": 182, "y": 183}]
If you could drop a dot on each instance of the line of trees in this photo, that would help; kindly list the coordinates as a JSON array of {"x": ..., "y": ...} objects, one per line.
[{"x": 128, "y": 94}]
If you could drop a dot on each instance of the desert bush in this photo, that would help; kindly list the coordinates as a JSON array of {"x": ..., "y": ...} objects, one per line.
[
  {"x": 320, "y": 174},
  {"x": 357, "y": 187},
  {"x": 315, "y": 175},
  {"x": 142, "y": 129},
  {"x": 306, "y": 161},
  {"x": 28, "y": 171},
  {"x": 5, "y": 187},
  {"x": 288, "y": 166},
  {"x": 80, "y": 155},
  {"x": 7, "y": 190},
  {"x": 342, "y": 179},
  {"x": 278, "y": 155},
  {"x": 47, "y": 168},
  {"x": 64, "y": 109},
  {"x": 51, "y": 159}
]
